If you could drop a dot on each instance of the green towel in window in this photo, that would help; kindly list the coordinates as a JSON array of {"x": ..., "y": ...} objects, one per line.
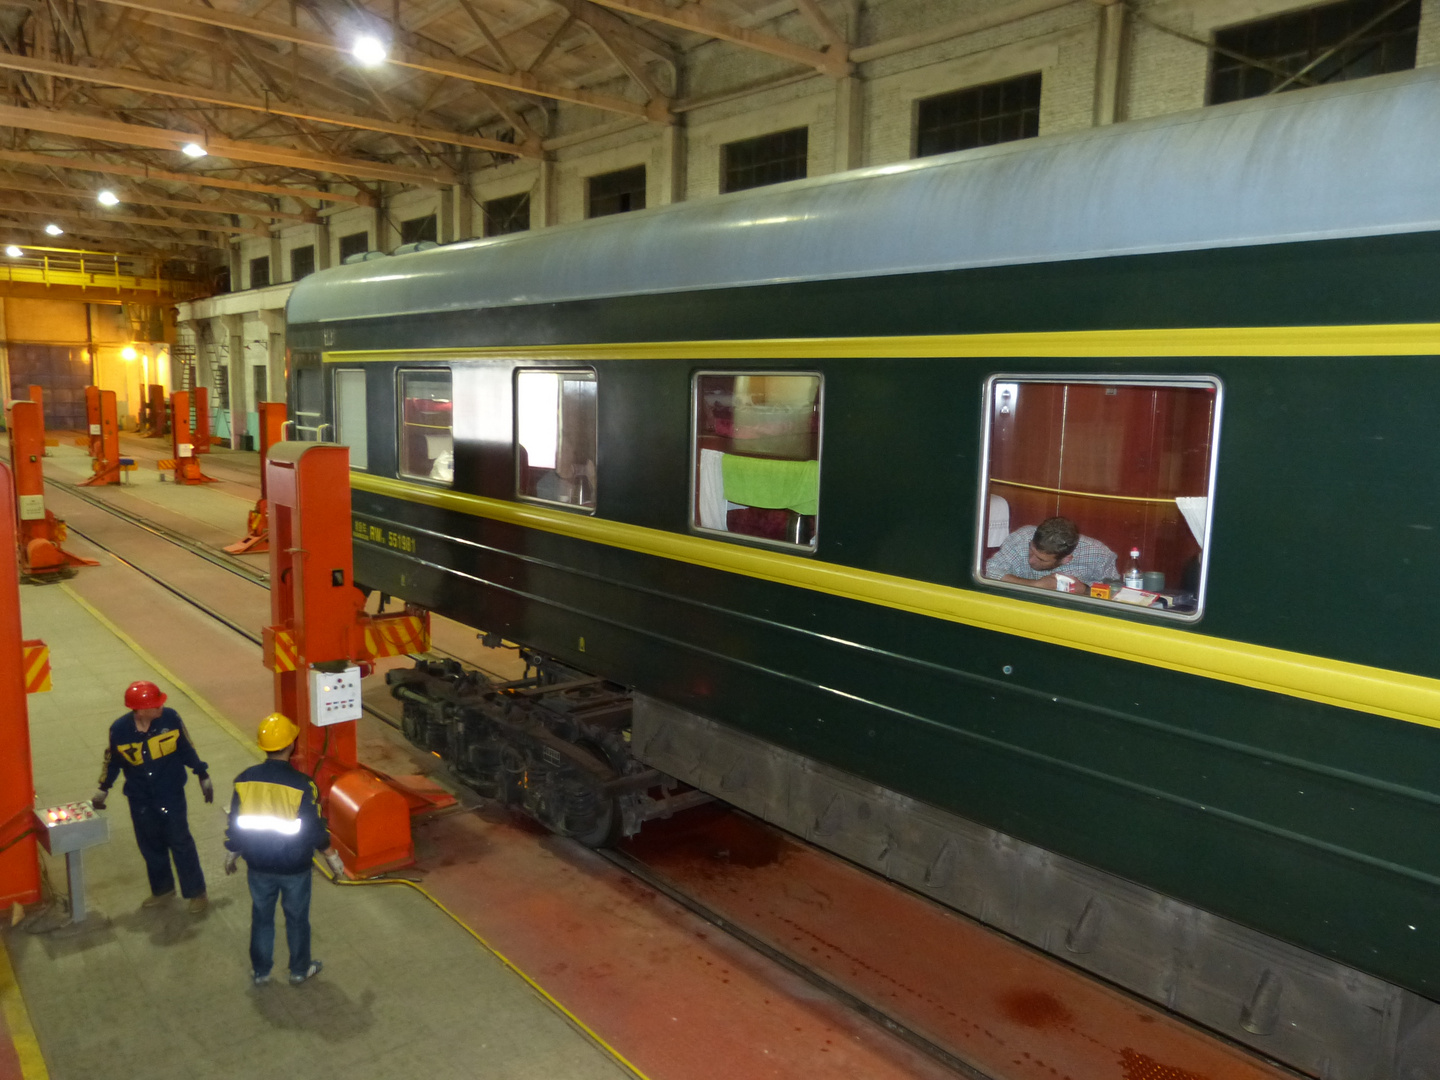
[{"x": 788, "y": 485}]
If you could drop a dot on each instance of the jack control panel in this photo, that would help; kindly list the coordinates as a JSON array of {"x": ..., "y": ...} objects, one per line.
[
  {"x": 70, "y": 827},
  {"x": 334, "y": 696}
]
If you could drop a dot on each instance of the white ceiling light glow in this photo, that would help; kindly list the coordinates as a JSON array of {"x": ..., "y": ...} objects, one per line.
[
  {"x": 108, "y": 198},
  {"x": 194, "y": 150},
  {"x": 369, "y": 50},
  {"x": 13, "y": 251},
  {"x": 54, "y": 230}
]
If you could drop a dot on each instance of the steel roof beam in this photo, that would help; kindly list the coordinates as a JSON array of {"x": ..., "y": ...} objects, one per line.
[
  {"x": 54, "y": 192},
  {"x": 829, "y": 61},
  {"x": 95, "y": 165},
  {"x": 402, "y": 56},
  {"x": 80, "y": 125},
  {"x": 130, "y": 219},
  {"x": 131, "y": 80}
]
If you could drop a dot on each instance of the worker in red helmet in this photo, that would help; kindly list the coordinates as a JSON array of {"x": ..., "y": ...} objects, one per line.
[{"x": 153, "y": 748}]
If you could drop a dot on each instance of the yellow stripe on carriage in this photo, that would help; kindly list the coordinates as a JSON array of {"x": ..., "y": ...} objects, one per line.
[
  {"x": 1395, "y": 694},
  {"x": 1383, "y": 339}
]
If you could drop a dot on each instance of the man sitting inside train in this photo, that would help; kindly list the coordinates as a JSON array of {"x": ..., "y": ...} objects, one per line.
[{"x": 1035, "y": 554}]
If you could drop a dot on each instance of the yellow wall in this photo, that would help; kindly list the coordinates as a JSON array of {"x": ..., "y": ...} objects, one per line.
[{"x": 62, "y": 322}]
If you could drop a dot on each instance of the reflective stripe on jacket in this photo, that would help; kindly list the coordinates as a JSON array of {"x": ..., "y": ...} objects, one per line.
[{"x": 275, "y": 821}]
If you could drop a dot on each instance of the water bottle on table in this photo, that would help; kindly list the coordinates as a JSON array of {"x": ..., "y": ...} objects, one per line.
[{"x": 1134, "y": 579}]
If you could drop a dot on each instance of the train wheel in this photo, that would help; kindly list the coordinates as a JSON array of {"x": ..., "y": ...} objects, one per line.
[{"x": 591, "y": 816}]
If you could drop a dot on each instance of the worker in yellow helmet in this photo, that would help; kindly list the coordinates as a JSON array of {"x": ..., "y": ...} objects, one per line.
[{"x": 275, "y": 825}]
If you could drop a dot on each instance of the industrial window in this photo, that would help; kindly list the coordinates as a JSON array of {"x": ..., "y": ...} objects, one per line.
[
  {"x": 615, "y": 192},
  {"x": 417, "y": 229},
  {"x": 978, "y": 116},
  {"x": 354, "y": 244},
  {"x": 427, "y": 446},
  {"x": 766, "y": 159},
  {"x": 1313, "y": 46},
  {"x": 555, "y": 436},
  {"x": 352, "y": 425},
  {"x": 260, "y": 272},
  {"x": 508, "y": 215},
  {"x": 1082, "y": 472},
  {"x": 757, "y": 456},
  {"x": 302, "y": 261}
]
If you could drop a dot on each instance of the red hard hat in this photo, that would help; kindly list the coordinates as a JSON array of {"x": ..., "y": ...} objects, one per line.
[{"x": 143, "y": 695}]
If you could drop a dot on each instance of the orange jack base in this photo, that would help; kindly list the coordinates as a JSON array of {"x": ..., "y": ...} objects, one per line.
[{"x": 370, "y": 824}]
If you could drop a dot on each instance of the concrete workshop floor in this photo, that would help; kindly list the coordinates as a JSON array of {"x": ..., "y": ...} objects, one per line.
[{"x": 160, "y": 993}]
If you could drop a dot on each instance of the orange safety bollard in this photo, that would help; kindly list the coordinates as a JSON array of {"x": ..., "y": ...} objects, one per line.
[
  {"x": 155, "y": 411},
  {"x": 105, "y": 461},
  {"x": 187, "y": 468},
  {"x": 41, "y": 532},
  {"x": 257, "y": 527},
  {"x": 19, "y": 855}
]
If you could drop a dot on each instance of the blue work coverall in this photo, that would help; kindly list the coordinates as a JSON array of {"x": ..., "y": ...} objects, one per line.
[{"x": 154, "y": 763}]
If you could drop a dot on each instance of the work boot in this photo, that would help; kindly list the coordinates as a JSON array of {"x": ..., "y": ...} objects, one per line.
[
  {"x": 310, "y": 972},
  {"x": 156, "y": 899},
  {"x": 198, "y": 904}
]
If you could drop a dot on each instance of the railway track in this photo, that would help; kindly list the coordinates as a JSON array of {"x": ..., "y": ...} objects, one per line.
[{"x": 626, "y": 861}]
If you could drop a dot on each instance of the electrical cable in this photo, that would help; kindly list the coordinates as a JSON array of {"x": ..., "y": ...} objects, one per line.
[{"x": 579, "y": 1024}]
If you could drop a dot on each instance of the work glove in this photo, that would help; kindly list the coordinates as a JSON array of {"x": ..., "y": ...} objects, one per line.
[
  {"x": 98, "y": 799},
  {"x": 232, "y": 860},
  {"x": 332, "y": 860},
  {"x": 207, "y": 788}
]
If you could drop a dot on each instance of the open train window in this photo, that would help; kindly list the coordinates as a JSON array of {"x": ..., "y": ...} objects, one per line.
[
  {"x": 756, "y": 447},
  {"x": 351, "y": 423},
  {"x": 427, "y": 447},
  {"x": 1082, "y": 471},
  {"x": 555, "y": 436}
]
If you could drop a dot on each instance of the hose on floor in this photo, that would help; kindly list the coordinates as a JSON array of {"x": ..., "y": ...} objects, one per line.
[{"x": 579, "y": 1024}]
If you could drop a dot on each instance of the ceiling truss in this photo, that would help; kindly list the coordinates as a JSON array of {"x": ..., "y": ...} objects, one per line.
[{"x": 292, "y": 125}]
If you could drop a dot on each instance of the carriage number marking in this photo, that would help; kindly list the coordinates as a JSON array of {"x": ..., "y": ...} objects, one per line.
[{"x": 376, "y": 535}]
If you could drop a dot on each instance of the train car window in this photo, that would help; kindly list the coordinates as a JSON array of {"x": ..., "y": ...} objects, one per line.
[
  {"x": 1100, "y": 489},
  {"x": 351, "y": 423},
  {"x": 757, "y": 456},
  {"x": 427, "y": 447},
  {"x": 555, "y": 437}
]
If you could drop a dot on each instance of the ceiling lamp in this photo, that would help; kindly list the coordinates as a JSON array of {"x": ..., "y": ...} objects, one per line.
[
  {"x": 13, "y": 251},
  {"x": 54, "y": 230},
  {"x": 128, "y": 353},
  {"x": 369, "y": 50},
  {"x": 108, "y": 198},
  {"x": 194, "y": 150}
]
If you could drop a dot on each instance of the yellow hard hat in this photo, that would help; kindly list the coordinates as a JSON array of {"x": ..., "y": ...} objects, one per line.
[{"x": 277, "y": 731}]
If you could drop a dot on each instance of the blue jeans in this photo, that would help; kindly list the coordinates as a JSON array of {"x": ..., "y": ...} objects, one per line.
[
  {"x": 163, "y": 831},
  {"x": 293, "y": 891}
]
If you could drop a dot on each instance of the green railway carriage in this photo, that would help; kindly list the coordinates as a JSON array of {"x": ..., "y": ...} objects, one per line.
[{"x": 750, "y": 458}]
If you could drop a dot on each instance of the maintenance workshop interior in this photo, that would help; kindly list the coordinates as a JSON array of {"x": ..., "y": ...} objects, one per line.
[{"x": 633, "y": 538}]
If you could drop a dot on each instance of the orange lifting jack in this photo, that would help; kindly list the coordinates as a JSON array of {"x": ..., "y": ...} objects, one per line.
[
  {"x": 104, "y": 437},
  {"x": 153, "y": 422},
  {"x": 320, "y": 630},
  {"x": 19, "y": 859},
  {"x": 41, "y": 532},
  {"x": 183, "y": 444},
  {"x": 257, "y": 527}
]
